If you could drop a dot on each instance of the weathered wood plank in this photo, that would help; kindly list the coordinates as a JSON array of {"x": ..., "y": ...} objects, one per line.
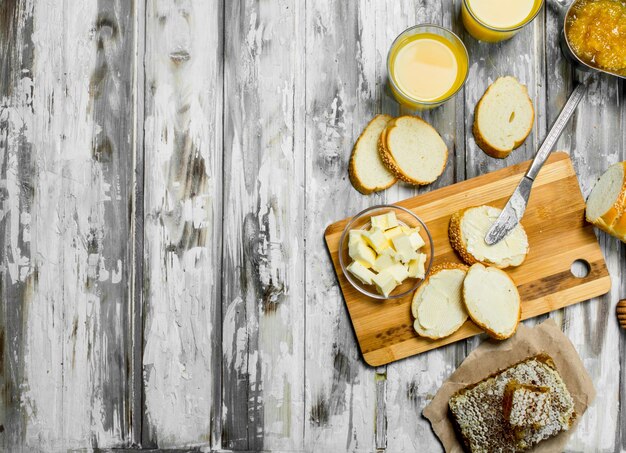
[
  {"x": 591, "y": 139},
  {"x": 67, "y": 169},
  {"x": 137, "y": 231},
  {"x": 340, "y": 99},
  {"x": 111, "y": 86},
  {"x": 409, "y": 387},
  {"x": 182, "y": 234},
  {"x": 263, "y": 278},
  {"x": 592, "y": 326},
  {"x": 523, "y": 57},
  {"x": 16, "y": 196}
]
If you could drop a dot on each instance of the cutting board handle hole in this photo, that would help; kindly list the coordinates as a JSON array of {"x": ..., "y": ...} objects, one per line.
[{"x": 580, "y": 268}]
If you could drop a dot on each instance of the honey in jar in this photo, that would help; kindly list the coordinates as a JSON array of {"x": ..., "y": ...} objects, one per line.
[{"x": 596, "y": 32}]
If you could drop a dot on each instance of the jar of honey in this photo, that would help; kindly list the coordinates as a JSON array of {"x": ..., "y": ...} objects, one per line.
[
  {"x": 426, "y": 66},
  {"x": 497, "y": 20}
]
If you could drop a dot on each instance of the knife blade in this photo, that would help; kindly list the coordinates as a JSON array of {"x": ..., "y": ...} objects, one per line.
[
  {"x": 512, "y": 212},
  {"x": 515, "y": 207}
]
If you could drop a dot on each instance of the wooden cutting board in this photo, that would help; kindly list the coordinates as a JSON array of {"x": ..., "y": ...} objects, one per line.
[{"x": 557, "y": 232}]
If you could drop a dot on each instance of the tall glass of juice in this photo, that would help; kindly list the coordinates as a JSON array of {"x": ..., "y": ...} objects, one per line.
[
  {"x": 497, "y": 20},
  {"x": 426, "y": 66}
]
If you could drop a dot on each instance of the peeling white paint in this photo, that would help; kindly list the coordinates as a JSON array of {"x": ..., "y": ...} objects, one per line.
[
  {"x": 180, "y": 225},
  {"x": 266, "y": 345},
  {"x": 65, "y": 341}
]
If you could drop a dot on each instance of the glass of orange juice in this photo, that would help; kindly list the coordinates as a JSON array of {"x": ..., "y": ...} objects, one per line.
[
  {"x": 426, "y": 66},
  {"x": 497, "y": 20}
]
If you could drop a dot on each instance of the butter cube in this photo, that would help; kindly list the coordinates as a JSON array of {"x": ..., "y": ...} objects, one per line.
[
  {"x": 416, "y": 240},
  {"x": 391, "y": 252},
  {"x": 384, "y": 221},
  {"x": 379, "y": 221},
  {"x": 392, "y": 220},
  {"x": 377, "y": 240},
  {"x": 399, "y": 272},
  {"x": 364, "y": 254},
  {"x": 356, "y": 236},
  {"x": 356, "y": 243},
  {"x": 393, "y": 232},
  {"x": 359, "y": 247},
  {"x": 385, "y": 283},
  {"x": 404, "y": 248},
  {"x": 408, "y": 230},
  {"x": 360, "y": 272},
  {"x": 383, "y": 262},
  {"x": 417, "y": 266}
]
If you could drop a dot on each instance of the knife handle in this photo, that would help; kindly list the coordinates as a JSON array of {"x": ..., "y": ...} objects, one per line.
[{"x": 557, "y": 128}]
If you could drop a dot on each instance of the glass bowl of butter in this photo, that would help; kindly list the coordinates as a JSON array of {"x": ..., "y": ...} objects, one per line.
[{"x": 386, "y": 252}]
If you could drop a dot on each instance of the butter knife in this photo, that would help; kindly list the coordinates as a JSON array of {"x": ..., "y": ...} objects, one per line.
[{"x": 515, "y": 207}]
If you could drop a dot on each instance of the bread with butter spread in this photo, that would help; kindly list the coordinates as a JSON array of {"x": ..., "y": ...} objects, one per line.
[
  {"x": 492, "y": 300},
  {"x": 438, "y": 303},
  {"x": 467, "y": 231}
]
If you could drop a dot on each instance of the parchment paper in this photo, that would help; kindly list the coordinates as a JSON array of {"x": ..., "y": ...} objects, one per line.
[{"x": 492, "y": 356}]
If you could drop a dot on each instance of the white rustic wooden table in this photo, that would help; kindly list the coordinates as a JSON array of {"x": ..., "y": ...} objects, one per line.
[{"x": 167, "y": 171}]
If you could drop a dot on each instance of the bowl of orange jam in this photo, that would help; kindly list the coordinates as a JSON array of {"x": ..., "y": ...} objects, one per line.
[
  {"x": 595, "y": 32},
  {"x": 426, "y": 66}
]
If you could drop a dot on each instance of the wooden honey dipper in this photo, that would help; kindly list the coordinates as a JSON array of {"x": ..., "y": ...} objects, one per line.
[{"x": 621, "y": 313}]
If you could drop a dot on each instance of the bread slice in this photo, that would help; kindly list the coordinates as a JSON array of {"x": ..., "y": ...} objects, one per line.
[
  {"x": 606, "y": 205},
  {"x": 492, "y": 300},
  {"x": 467, "y": 231},
  {"x": 477, "y": 413},
  {"x": 413, "y": 150},
  {"x": 437, "y": 304},
  {"x": 367, "y": 172},
  {"x": 503, "y": 117}
]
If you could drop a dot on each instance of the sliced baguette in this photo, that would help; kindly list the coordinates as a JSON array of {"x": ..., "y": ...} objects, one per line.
[
  {"x": 367, "y": 172},
  {"x": 413, "y": 150},
  {"x": 437, "y": 304},
  {"x": 606, "y": 205},
  {"x": 467, "y": 231},
  {"x": 503, "y": 117},
  {"x": 492, "y": 300}
]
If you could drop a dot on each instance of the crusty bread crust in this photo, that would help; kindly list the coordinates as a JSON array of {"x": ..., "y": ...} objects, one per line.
[
  {"x": 352, "y": 171},
  {"x": 493, "y": 334},
  {"x": 613, "y": 221},
  {"x": 389, "y": 160},
  {"x": 456, "y": 241},
  {"x": 434, "y": 270},
  {"x": 447, "y": 266},
  {"x": 456, "y": 238},
  {"x": 488, "y": 148}
]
